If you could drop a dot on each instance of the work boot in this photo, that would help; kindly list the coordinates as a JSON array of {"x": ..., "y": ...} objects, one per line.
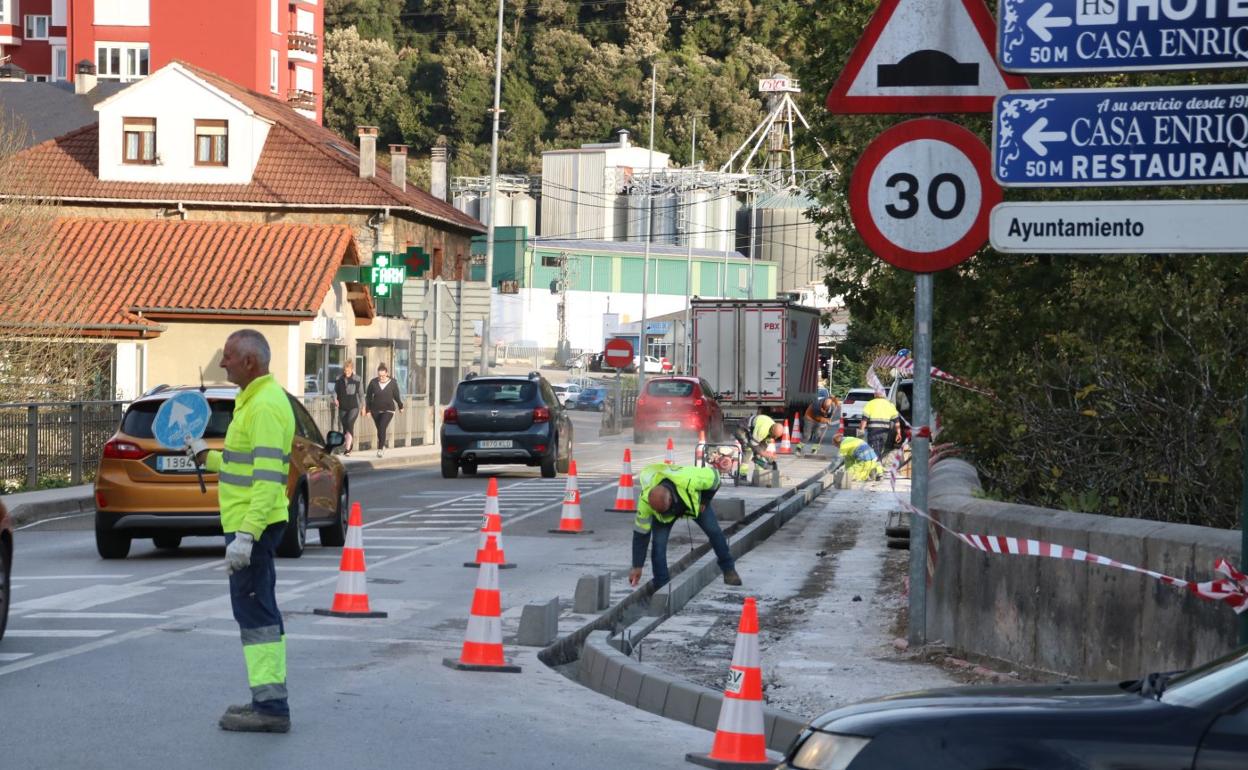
[
  {"x": 247, "y": 720},
  {"x": 239, "y": 708},
  {"x": 731, "y": 577}
]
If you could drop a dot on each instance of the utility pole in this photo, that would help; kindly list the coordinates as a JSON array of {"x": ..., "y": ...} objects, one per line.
[
  {"x": 489, "y": 229},
  {"x": 564, "y": 276},
  {"x": 645, "y": 263},
  {"x": 687, "y": 360}
]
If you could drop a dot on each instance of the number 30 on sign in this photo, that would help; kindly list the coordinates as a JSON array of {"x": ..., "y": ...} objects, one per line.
[{"x": 921, "y": 194}]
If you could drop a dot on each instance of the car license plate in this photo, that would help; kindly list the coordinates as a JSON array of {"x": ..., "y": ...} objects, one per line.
[
  {"x": 669, "y": 423},
  {"x": 175, "y": 464},
  {"x": 494, "y": 444}
]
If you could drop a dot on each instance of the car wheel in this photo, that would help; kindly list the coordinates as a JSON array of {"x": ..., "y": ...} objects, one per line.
[
  {"x": 167, "y": 542},
  {"x": 470, "y": 469},
  {"x": 335, "y": 535},
  {"x": 296, "y": 535},
  {"x": 6, "y": 570},
  {"x": 450, "y": 468},
  {"x": 549, "y": 471},
  {"x": 562, "y": 463},
  {"x": 110, "y": 544}
]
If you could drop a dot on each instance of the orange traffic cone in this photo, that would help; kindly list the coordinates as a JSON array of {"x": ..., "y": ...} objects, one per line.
[
  {"x": 670, "y": 458},
  {"x": 483, "y": 640},
  {"x": 570, "y": 521},
  {"x": 785, "y": 448},
  {"x": 491, "y": 524},
  {"x": 351, "y": 596},
  {"x": 625, "y": 496},
  {"x": 797, "y": 429},
  {"x": 740, "y": 736}
]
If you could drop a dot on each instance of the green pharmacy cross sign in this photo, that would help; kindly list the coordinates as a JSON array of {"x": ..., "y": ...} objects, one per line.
[{"x": 386, "y": 271}]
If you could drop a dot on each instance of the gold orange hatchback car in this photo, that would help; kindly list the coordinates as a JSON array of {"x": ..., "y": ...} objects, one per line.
[{"x": 145, "y": 490}]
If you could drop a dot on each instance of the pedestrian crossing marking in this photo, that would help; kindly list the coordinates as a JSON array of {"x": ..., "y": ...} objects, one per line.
[{"x": 57, "y": 633}]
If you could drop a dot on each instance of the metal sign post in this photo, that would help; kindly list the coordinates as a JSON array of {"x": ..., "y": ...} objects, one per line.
[{"x": 920, "y": 450}]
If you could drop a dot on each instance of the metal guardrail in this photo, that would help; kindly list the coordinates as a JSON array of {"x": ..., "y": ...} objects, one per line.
[{"x": 57, "y": 444}]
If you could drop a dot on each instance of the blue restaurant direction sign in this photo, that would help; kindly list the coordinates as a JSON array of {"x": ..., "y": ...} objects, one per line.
[
  {"x": 1048, "y": 36},
  {"x": 1099, "y": 137}
]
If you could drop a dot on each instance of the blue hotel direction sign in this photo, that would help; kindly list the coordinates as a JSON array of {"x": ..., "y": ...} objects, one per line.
[
  {"x": 1098, "y": 137},
  {"x": 1045, "y": 36}
]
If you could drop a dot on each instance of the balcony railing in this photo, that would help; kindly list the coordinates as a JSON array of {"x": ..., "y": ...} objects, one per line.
[
  {"x": 300, "y": 99},
  {"x": 302, "y": 41}
]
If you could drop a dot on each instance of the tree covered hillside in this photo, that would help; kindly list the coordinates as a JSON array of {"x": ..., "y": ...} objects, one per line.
[{"x": 573, "y": 72}]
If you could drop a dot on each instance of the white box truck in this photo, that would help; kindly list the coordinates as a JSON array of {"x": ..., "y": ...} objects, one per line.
[{"x": 760, "y": 356}]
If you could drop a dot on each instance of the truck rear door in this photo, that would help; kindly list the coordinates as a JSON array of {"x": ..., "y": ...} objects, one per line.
[
  {"x": 763, "y": 352},
  {"x": 716, "y": 351}
]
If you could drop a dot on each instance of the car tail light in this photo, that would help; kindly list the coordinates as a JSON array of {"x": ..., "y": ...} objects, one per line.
[
  {"x": 539, "y": 448},
  {"x": 641, "y": 400},
  {"x": 124, "y": 450},
  {"x": 451, "y": 415},
  {"x": 699, "y": 402},
  {"x": 451, "y": 449},
  {"x": 541, "y": 414},
  {"x": 100, "y": 500}
]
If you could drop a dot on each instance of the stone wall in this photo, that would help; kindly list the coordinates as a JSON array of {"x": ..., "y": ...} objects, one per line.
[{"x": 1069, "y": 618}]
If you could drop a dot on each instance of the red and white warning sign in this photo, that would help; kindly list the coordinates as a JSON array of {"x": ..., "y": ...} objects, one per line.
[
  {"x": 923, "y": 56},
  {"x": 921, "y": 193}
]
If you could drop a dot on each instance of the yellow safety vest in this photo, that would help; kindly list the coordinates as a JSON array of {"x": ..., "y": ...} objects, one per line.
[
  {"x": 689, "y": 483},
  {"x": 879, "y": 413},
  {"x": 253, "y": 469}
]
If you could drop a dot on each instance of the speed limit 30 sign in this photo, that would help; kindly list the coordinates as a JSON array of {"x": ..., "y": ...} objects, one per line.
[{"x": 921, "y": 194}]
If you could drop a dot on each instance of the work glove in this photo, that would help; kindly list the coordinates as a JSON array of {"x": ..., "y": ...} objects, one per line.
[
  {"x": 238, "y": 553},
  {"x": 194, "y": 447}
]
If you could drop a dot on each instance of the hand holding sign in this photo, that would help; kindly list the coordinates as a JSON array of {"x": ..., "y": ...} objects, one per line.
[{"x": 180, "y": 424}]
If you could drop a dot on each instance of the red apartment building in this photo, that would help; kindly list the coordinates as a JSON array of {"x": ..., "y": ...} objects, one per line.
[{"x": 270, "y": 46}]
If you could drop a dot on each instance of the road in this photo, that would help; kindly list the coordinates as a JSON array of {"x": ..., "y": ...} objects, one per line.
[{"x": 130, "y": 663}]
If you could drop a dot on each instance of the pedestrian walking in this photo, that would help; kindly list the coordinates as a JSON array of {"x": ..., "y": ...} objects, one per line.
[
  {"x": 757, "y": 436},
  {"x": 861, "y": 461},
  {"x": 668, "y": 493},
  {"x": 347, "y": 400},
  {"x": 251, "y": 489},
  {"x": 381, "y": 400},
  {"x": 880, "y": 419}
]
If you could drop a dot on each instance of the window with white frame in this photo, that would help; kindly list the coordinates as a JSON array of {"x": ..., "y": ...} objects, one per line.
[
  {"x": 121, "y": 61},
  {"x": 273, "y": 63},
  {"x": 274, "y": 10},
  {"x": 4, "y": 11},
  {"x": 60, "y": 63},
  {"x": 37, "y": 26},
  {"x": 123, "y": 13}
]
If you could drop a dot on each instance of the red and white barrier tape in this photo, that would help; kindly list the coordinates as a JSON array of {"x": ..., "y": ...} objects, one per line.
[
  {"x": 1231, "y": 590},
  {"x": 905, "y": 365}
]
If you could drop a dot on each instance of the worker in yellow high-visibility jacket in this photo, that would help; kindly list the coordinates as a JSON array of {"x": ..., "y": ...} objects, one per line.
[
  {"x": 880, "y": 419},
  {"x": 251, "y": 486},
  {"x": 861, "y": 461}
]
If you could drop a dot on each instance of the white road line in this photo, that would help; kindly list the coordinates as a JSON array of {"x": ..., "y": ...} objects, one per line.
[
  {"x": 389, "y": 538},
  {"x": 72, "y": 651},
  {"x": 9, "y": 657},
  {"x": 305, "y": 568},
  {"x": 59, "y": 633},
  {"x": 86, "y": 598},
  {"x": 196, "y": 582},
  {"x": 73, "y": 577},
  {"x": 57, "y": 518},
  {"x": 94, "y": 616}
]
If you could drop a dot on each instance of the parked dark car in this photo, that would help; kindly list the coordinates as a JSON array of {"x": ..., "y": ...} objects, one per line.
[
  {"x": 593, "y": 399},
  {"x": 505, "y": 420},
  {"x": 672, "y": 406},
  {"x": 6, "y": 566},
  {"x": 1197, "y": 720}
]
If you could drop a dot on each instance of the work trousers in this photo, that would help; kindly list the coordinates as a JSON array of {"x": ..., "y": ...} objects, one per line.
[
  {"x": 706, "y": 521},
  {"x": 878, "y": 439},
  {"x": 254, "y": 600},
  {"x": 382, "y": 421}
]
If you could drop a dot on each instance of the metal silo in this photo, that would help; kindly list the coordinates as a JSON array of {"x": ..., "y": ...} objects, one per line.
[
  {"x": 524, "y": 213},
  {"x": 721, "y": 220},
  {"x": 666, "y": 206},
  {"x": 504, "y": 210},
  {"x": 469, "y": 203},
  {"x": 694, "y": 218},
  {"x": 786, "y": 236},
  {"x": 638, "y": 213}
]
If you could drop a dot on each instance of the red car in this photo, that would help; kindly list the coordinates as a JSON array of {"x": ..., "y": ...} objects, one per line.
[{"x": 672, "y": 406}]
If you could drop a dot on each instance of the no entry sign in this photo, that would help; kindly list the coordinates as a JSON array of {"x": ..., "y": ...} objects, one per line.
[
  {"x": 618, "y": 353},
  {"x": 921, "y": 193}
]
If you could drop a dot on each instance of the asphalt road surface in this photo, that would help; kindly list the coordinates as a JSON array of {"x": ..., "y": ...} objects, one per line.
[{"x": 112, "y": 664}]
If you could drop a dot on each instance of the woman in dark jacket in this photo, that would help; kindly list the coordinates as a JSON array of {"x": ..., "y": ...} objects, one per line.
[
  {"x": 347, "y": 395},
  {"x": 381, "y": 400}
]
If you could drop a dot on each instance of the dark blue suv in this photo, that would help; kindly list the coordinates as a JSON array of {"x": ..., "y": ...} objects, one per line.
[{"x": 504, "y": 419}]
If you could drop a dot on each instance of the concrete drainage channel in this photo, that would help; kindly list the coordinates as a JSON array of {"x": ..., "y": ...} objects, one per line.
[{"x": 601, "y": 649}]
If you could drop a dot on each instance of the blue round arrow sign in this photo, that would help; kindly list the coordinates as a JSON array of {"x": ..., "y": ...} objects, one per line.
[{"x": 182, "y": 418}]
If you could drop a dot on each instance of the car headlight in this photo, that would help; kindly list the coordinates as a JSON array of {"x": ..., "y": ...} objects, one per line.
[{"x": 828, "y": 751}]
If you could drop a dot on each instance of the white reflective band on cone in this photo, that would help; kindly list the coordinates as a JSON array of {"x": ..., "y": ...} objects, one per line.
[
  {"x": 482, "y": 630},
  {"x": 355, "y": 538},
  {"x": 745, "y": 652},
  {"x": 487, "y": 578},
  {"x": 351, "y": 584},
  {"x": 743, "y": 717}
]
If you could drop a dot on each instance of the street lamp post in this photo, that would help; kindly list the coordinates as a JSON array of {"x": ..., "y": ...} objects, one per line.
[
  {"x": 686, "y": 362},
  {"x": 645, "y": 260},
  {"x": 489, "y": 228}
]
